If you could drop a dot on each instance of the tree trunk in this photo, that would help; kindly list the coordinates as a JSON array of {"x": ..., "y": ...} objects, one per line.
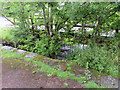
[
  {"x": 45, "y": 21},
  {"x": 51, "y": 22},
  {"x": 32, "y": 24},
  {"x": 117, "y": 31},
  {"x": 99, "y": 25},
  {"x": 82, "y": 26}
]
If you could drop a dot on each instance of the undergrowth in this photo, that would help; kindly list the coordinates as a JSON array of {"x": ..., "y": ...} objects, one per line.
[
  {"x": 45, "y": 68},
  {"x": 6, "y": 33},
  {"x": 103, "y": 59}
]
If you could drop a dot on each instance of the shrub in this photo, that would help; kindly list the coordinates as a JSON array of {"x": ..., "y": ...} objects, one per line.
[
  {"x": 47, "y": 46},
  {"x": 43, "y": 45},
  {"x": 101, "y": 59}
]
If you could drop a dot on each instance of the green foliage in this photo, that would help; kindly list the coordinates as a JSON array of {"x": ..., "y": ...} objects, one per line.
[
  {"x": 65, "y": 84},
  {"x": 47, "y": 46},
  {"x": 102, "y": 17},
  {"x": 55, "y": 71},
  {"x": 33, "y": 72},
  {"x": 10, "y": 54},
  {"x": 81, "y": 80},
  {"x": 6, "y": 34},
  {"x": 44, "y": 45},
  {"x": 28, "y": 35},
  {"x": 87, "y": 72},
  {"x": 43, "y": 67},
  {"x": 58, "y": 15},
  {"x": 50, "y": 70},
  {"x": 103, "y": 59},
  {"x": 93, "y": 85}
]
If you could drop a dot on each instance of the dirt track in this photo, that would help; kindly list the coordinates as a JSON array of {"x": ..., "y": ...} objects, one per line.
[{"x": 16, "y": 75}]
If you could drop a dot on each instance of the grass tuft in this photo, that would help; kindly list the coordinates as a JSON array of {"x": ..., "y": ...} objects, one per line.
[{"x": 6, "y": 33}]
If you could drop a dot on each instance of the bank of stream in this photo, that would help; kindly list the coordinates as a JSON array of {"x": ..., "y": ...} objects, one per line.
[{"x": 99, "y": 78}]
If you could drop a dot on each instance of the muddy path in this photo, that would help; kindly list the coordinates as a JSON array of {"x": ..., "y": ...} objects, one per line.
[{"x": 15, "y": 74}]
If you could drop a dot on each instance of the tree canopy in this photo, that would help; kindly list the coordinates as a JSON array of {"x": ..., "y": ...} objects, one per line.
[{"x": 55, "y": 16}]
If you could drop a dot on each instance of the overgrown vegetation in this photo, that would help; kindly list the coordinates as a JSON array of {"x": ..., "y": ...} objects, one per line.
[
  {"x": 51, "y": 71},
  {"x": 39, "y": 25},
  {"x": 6, "y": 34},
  {"x": 93, "y": 85},
  {"x": 103, "y": 59},
  {"x": 57, "y": 16}
]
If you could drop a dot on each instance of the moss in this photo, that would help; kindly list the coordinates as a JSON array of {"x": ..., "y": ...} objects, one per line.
[
  {"x": 65, "y": 68},
  {"x": 73, "y": 63},
  {"x": 91, "y": 85},
  {"x": 14, "y": 50},
  {"x": 26, "y": 53},
  {"x": 39, "y": 58},
  {"x": 54, "y": 62},
  {"x": 15, "y": 63},
  {"x": 54, "y": 75},
  {"x": 76, "y": 72},
  {"x": 63, "y": 64},
  {"x": 10, "y": 54},
  {"x": 51, "y": 59},
  {"x": 96, "y": 74}
]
